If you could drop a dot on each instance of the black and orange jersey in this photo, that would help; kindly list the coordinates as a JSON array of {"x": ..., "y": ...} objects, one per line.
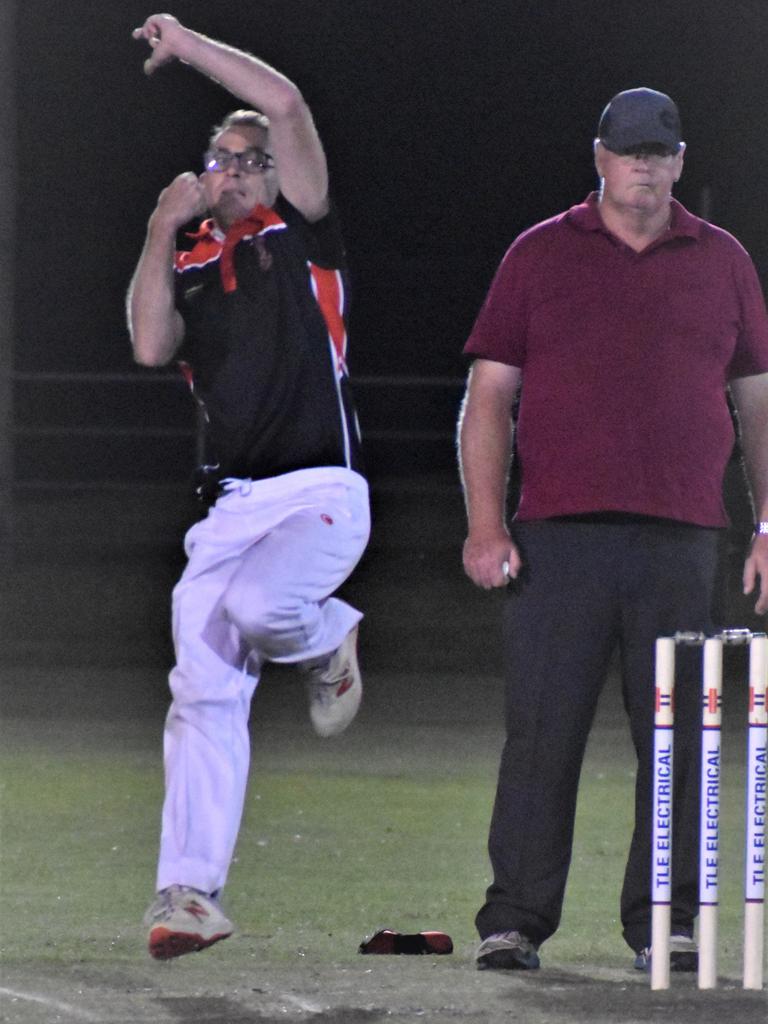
[{"x": 265, "y": 314}]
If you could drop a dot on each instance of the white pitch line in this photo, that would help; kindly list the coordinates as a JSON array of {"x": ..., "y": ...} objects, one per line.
[
  {"x": 53, "y": 1004},
  {"x": 302, "y": 1004}
]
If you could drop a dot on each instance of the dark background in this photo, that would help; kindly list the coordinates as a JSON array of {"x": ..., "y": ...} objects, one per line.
[{"x": 449, "y": 128}]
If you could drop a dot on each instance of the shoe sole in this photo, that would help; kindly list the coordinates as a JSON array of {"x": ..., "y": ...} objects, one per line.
[
  {"x": 165, "y": 944},
  {"x": 508, "y": 960}
]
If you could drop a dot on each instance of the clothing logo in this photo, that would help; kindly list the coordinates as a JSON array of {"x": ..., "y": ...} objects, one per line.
[
  {"x": 191, "y": 292},
  {"x": 344, "y": 685},
  {"x": 194, "y": 908},
  {"x": 265, "y": 256},
  {"x": 326, "y": 519}
]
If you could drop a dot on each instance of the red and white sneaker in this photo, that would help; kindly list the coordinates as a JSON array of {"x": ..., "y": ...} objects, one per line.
[
  {"x": 335, "y": 688},
  {"x": 184, "y": 920}
]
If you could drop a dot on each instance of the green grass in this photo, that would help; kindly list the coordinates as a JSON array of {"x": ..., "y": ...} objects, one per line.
[
  {"x": 384, "y": 828},
  {"x": 322, "y": 859}
]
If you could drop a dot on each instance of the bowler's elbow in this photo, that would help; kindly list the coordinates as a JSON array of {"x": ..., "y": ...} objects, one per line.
[
  {"x": 150, "y": 359},
  {"x": 152, "y": 350},
  {"x": 155, "y": 344}
]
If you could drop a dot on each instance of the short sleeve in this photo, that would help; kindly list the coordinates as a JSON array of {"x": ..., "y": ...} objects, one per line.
[
  {"x": 499, "y": 332},
  {"x": 750, "y": 355}
]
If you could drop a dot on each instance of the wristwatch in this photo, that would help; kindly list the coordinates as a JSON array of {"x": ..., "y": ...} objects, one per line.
[{"x": 761, "y": 528}]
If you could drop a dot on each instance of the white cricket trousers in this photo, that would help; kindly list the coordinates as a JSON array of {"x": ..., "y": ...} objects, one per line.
[{"x": 262, "y": 566}]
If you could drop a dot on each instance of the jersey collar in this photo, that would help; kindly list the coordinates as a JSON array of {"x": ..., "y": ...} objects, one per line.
[{"x": 257, "y": 220}]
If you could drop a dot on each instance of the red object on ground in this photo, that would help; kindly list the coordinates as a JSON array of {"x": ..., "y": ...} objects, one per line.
[{"x": 390, "y": 942}]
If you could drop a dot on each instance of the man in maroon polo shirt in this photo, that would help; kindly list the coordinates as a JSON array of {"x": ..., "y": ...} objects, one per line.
[{"x": 620, "y": 324}]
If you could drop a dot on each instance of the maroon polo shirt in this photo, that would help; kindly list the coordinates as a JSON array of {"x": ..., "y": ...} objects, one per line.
[{"x": 625, "y": 358}]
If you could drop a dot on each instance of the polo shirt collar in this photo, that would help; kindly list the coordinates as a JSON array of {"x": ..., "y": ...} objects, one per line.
[{"x": 587, "y": 217}]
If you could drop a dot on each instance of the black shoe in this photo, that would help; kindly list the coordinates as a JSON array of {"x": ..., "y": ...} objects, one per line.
[
  {"x": 507, "y": 951},
  {"x": 683, "y": 955}
]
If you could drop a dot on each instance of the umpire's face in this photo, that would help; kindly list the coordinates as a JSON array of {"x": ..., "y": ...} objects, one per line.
[
  {"x": 239, "y": 174},
  {"x": 639, "y": 181}
]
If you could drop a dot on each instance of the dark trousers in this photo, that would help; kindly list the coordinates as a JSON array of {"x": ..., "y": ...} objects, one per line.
[{"x": 585, "y": 588}]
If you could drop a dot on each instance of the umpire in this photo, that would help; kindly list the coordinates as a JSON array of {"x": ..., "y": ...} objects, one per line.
[{"x": 621, "y": 322}]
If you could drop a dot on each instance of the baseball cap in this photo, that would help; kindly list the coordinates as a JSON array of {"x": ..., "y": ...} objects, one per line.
[{"x": 639, "y": 116}]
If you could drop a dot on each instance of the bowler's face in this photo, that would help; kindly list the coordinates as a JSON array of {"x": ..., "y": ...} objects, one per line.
[
  {"x": 639, "y": 182},
  {"x": 233, "y": 192}
]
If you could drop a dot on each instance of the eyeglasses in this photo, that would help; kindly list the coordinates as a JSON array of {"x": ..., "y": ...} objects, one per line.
[
  {"x": 250, "y": 161},
  {"x": 649, "y": 151}
]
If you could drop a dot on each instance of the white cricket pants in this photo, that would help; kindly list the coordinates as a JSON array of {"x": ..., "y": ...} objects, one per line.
[{"x": 256, "y": 588}]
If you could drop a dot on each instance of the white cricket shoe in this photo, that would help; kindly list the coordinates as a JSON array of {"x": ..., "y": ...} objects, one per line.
[
  {"x": 335, "y": 688},
  {"x": 184, "y": 920}
]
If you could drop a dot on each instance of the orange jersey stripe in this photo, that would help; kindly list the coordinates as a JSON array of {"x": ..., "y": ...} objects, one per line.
[{"x": 329, "y": 293}]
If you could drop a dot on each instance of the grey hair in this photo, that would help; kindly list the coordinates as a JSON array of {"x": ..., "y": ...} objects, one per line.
[{"x": 249, "y": 118}]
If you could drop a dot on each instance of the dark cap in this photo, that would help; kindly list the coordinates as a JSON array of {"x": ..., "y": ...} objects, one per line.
[{"x": 640, "y": 116}]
